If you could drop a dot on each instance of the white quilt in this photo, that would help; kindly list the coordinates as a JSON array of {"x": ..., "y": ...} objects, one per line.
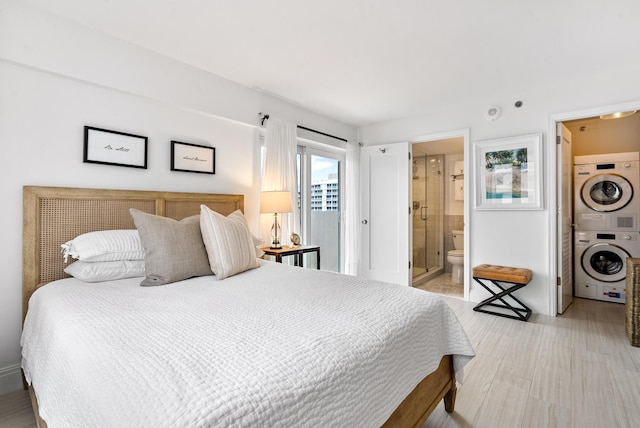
[{"x": 276, "y": 346}]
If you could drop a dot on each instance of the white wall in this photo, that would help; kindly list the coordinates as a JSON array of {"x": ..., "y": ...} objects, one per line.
[
  {"x": 511, "y": 238},
  {"x": 56, "y": 77}
]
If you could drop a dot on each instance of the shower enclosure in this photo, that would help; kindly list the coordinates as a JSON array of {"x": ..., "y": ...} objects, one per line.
[{"x": 428, "y": 211}]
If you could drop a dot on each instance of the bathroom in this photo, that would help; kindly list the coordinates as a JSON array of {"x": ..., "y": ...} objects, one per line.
[{"x": 438, "y": 216}]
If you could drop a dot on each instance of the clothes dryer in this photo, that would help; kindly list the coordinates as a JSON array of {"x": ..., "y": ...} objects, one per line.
[
  {"x": 601, "y": 263},
  {"x": 607, "y": 192}
]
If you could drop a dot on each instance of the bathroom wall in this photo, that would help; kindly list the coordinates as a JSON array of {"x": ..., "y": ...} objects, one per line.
[{"x": 453, "y": 209}]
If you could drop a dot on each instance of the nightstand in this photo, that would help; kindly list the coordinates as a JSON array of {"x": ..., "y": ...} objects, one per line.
[{"x": 296, "y": 251}]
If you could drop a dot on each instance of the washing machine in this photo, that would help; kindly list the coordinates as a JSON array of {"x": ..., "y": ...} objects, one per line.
[
  {"x": 607, "y": 192},
  {"x": 601, "y": 265}
]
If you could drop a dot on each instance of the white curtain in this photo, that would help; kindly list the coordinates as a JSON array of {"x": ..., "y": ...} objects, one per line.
[
  {"x": 352, "y": 209},
  {"x": 280, "y": 174}
]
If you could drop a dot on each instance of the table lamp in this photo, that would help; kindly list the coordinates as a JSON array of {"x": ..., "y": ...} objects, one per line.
[{"x": 275, "y": 202}]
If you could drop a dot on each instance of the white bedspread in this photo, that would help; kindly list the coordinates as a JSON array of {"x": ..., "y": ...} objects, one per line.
[{"x": 277, "y": 346}]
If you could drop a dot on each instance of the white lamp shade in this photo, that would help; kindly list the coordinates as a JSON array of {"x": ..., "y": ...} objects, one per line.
[{"x": 275, "y": 202}]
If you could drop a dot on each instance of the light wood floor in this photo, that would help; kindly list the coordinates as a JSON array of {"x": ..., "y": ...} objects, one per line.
[
  {"x": 16, "y": 411},
  {"x": 577, "y": 370}
]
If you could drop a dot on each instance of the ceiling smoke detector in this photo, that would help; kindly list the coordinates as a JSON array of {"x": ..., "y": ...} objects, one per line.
[{"x": 493, "y": 113}]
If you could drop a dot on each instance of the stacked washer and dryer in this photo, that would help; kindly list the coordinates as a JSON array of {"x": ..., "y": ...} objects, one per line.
[{"x": 606, "y": 214}]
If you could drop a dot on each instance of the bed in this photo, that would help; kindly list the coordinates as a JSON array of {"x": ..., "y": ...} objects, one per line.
[{"x": 273, "y": 346}]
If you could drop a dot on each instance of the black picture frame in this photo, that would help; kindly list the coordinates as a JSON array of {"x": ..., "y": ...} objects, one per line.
[
  {"x": 189, "y": 157},
  {"x": 107, "y": 147}
]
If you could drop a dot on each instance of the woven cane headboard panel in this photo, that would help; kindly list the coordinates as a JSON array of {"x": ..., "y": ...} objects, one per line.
[{"x": 54, "y": 215}]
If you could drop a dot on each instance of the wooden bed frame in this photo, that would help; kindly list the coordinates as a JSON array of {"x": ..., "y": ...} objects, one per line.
[{"x": 54, "y": 215}]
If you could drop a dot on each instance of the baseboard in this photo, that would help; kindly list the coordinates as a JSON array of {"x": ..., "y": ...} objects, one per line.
[{"x": 10, "y": 379}]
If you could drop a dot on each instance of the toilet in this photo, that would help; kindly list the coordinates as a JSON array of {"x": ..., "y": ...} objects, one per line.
[{"x": 456, "y": 257}]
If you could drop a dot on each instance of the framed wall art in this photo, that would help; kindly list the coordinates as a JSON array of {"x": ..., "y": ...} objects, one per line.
[
  {"x": 193, "y": 158},
  {"x": 108, "y": 147},
  {"x": 509, "y": 173}
]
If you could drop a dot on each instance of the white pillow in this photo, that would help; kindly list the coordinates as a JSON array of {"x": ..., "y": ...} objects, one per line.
[
  {"x": 258, "y": 244},
  {"x": 228, "y": 241},
  {"x": 105, "y": 246},
  {"x": 105, "y": 271}
]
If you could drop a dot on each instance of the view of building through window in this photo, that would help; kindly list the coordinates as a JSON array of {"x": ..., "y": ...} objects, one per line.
[
  {"x": 324, "y": 199},
  {"x": 321, "y": 226}
]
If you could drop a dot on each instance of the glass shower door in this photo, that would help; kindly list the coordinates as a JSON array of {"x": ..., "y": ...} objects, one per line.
[
  {"x": 428, "y": 210},
  {"x": 433, "y": 214},
  {"x": 419, "y": 224}
]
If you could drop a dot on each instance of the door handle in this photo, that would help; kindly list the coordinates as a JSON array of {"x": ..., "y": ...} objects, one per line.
[
  {"x": 424, "y": 213},
  {"x": 364, "y": 221}
]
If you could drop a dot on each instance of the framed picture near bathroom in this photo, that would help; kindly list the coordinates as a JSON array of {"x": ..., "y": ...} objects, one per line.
[{"x": 509, "y": 173}]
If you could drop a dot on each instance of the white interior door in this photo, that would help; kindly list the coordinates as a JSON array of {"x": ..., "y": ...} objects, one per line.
[
  {"x": 564, "y": 216},
  {"x": 385, "y": 213}
]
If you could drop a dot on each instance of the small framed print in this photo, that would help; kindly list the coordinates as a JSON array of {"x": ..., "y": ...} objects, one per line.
[
  {"x": 108, "y": 147},
  {"x": 509, "y": 173},
  {"x": 190, "y": 157}
]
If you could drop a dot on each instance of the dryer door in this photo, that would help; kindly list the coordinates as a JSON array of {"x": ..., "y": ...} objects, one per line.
[
  {"x": 605, "y": 262},
  {"x": 606, "y": 192}
]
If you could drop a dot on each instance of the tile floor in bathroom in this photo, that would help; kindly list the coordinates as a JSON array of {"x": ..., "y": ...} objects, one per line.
[{"x": 442, "y": 285}]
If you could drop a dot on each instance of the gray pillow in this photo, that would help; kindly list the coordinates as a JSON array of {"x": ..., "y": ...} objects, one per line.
[{"x": 174, "y": 250}]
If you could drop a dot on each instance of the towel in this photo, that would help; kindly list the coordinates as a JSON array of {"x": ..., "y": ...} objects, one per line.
[{"x": 458, "y": 184}]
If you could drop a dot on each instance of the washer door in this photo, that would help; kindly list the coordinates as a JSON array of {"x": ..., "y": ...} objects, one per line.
[
  {"x": 606, "y": 192},
  {"x": 605, "y": 262}
]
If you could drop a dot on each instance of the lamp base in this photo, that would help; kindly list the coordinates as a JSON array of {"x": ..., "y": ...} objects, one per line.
[
  {"x": 275, "y": 244},
  {"x": 276, "y": 231}
]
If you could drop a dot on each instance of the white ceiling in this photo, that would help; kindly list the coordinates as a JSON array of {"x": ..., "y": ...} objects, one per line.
[{"x": 368, "y": 61}]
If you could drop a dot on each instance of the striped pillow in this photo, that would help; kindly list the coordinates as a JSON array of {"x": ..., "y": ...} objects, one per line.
[{"x": 228, "y": 242}]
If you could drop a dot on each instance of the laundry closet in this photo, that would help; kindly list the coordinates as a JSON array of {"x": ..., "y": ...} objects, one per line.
[{"x": 606, "y": 204}]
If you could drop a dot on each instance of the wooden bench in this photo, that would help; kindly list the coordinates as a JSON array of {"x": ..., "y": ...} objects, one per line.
[{"x": 507, "y": 280}]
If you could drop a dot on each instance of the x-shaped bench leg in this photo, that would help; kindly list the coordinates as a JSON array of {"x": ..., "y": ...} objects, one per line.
[{"x": 521, "y": 313}]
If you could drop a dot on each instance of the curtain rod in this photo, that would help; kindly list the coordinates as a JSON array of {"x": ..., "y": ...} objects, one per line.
[{"x": 266, "y": 117}]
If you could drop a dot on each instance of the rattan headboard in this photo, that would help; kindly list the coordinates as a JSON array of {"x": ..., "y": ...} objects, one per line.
[{"x": 54, "y": 215}]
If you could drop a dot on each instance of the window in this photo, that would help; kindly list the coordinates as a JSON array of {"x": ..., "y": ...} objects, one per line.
[{"x": 320, "y": 173}]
